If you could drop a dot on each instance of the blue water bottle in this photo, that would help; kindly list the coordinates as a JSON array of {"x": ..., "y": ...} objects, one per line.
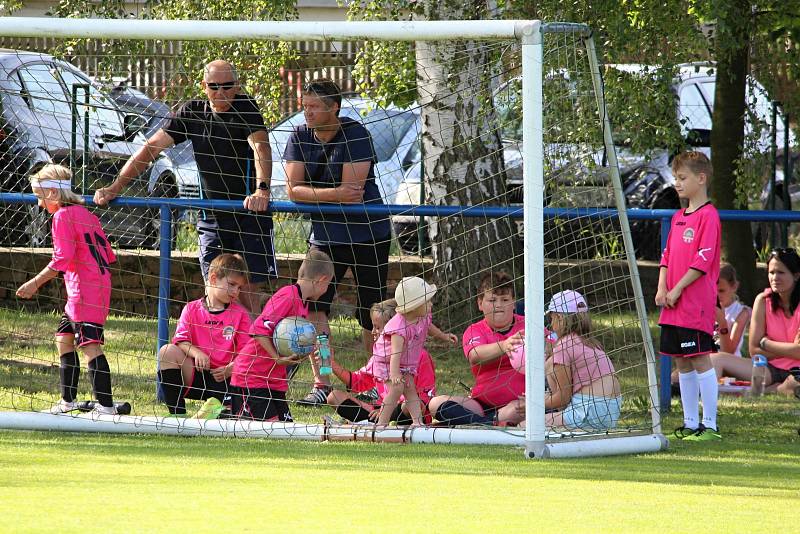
[{"x": 324, "y": 351}]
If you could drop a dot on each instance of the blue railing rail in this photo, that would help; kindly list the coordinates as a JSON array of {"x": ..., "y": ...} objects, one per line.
[{"x": 166, "y": 206}]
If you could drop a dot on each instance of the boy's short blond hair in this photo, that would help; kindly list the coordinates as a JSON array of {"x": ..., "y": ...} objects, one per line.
[
  {"x": 54, "y": 172},
  {"x": 226, "y": 265},
  {"x": 315, "y": 264},
  {"x": 694, "y": 162}
]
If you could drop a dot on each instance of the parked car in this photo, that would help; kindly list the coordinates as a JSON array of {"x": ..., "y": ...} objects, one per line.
[
  {"x": 647, "y": 178},
  {"x": 36, "y": 127}
]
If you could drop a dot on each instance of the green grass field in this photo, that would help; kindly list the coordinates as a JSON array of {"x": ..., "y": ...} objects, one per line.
[{"x": 111, "y": 483}]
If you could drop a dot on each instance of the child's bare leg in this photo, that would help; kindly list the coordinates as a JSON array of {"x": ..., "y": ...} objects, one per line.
[
  {"x": 413, "y": 403},
  {"x": 390, "y": 403}
]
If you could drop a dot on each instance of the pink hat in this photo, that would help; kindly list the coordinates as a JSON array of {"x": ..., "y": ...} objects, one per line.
[
  {"x": 568, "y": 301},
  {"x": 412, "y": 292}
]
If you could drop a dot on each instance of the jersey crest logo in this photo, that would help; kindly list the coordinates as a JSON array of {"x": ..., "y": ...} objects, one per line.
[
  {"x": 227, "y": 333},
  {"x": 688, "y": 235}
]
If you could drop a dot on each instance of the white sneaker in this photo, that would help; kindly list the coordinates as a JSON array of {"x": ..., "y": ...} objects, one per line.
[
  {"x": 62, "y": 407},
  {"x": 104, "y": 410}
]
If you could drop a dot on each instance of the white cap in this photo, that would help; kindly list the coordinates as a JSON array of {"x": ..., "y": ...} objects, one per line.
[
  {"x": 568, "y": 301},
  {"x": 412, "y": 292}
]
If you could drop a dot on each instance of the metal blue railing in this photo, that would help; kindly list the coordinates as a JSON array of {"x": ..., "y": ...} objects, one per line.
[{"x": 167, "y": 204}]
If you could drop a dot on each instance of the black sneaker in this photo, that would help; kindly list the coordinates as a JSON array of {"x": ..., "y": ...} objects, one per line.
[
  {"x": 370, "y": 396},
  {"x": 316, "y": 397},
  {"x": 684, "y": 432}
]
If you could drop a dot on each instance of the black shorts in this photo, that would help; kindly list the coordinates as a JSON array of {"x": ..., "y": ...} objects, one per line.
[
  {"x": 778, "y": 375},
  {"x": 204, "y": 387},
  {"x": 354, "y": 413},
  {"x": 682, "y": 342},
  {"x": 369, "y": 263},
  {"x": 248, "y": 235},
  {"x": 85, "y": 333},
  {"x": 261, "y": 404}
]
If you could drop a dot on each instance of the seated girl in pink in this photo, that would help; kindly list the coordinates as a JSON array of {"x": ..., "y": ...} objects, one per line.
[
  {"x": 355, "y": 409},
  {"x": 396, "y": 353},
  {"x": 81, "y": 252}
]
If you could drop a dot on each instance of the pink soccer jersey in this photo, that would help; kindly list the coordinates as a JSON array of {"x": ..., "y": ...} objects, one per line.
[
  {"x": 82, "y": 252},
  {"x": 221, "y": 335},
  {"x": 694, "y": 243},
  {"x": 254, "y": 367},
  {"x": 496, "y": 382},
  {"x": 414, "y": 334}
]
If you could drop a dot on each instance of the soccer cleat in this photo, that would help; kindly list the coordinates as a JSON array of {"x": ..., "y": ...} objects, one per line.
[
  {"x": 62, "y": 407},
  {"x": 684, "y": 432},
  {"x": 123, "y": 408},
  {"x": 704, "y": 434},
  {"x": 370, "y": 396},
  {"x": 99, "y": 409},
  {"x": 316, "y": 397},
  {"x": 211, "y": 409}
]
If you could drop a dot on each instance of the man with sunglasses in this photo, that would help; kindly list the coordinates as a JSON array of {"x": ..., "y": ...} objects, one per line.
[
  {"x": 330, "y": 160},
  {"x": 233, "y": 155}
]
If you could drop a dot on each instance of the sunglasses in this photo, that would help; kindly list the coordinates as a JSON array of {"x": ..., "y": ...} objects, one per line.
[
  {"x": 214, "y": 86},
  {"x": 777, "y": 251}
]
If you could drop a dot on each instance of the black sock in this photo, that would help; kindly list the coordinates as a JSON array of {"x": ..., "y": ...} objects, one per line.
[
  {"x": 69, "y": 372},
  {"x": 100, "y": 374},
  {"x": 171, "y": 381},
  {"x": 452, "y": 413}
]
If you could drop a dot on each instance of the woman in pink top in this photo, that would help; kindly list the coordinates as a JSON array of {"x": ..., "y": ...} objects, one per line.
[
  {"x": 81, "y": 252},
  {"x": 584, "y": 391},
  {"x": 396, "y": 353},
  {"x": 355, "y": 409},
  {"x": 774, "y": 326}
]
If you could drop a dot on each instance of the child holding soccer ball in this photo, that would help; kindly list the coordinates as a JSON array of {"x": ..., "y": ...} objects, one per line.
[
  {"x": 211, "y": 331},
  {"x": 259, "y": 372},
  {"x": 81, "y": 252},
  {"x": 354, "y": 409},
  {"x": 397, "y": 351}
]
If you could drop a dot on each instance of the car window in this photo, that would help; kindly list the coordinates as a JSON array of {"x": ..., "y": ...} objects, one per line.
[
  {"x": 694, "y": 113},
  {"x": 44, "y": 91},
  {"x": 387, "y": 130},
  {"x": 103, "y": 113}
]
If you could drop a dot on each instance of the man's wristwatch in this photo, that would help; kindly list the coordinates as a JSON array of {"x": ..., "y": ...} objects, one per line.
[{"x": 263, "y": 186}]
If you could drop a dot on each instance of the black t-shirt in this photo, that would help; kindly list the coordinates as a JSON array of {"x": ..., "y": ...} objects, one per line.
[
  {"x": 323, "y": 165},
  {"x": 223, "y": 155}
]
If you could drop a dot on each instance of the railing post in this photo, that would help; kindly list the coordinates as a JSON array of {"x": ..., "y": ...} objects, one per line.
[
  {"x": 665, "y": 362},
  {"x": 164, "y": 279}
]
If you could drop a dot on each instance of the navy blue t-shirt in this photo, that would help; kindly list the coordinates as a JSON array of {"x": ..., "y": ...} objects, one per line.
[{"x": 323, "y": 165}]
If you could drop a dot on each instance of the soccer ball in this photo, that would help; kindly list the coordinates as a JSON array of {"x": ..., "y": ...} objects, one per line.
[
  {"x": 517, "y": 358},
  {"x": 294, "y": 335}
]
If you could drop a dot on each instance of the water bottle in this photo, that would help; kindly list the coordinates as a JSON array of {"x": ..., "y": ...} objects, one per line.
[
  {"x": 324, "y": 351},
  {"x": 759, "y": 375}
]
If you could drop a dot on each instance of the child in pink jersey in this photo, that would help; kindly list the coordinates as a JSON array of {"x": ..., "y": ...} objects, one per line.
[
  {"x": 397, "y": 351},
  {"x": 81, "y": 252},
  {"x": 354, "y": 409},
  {"x": 259, "y": 372},
  {"x": 487, "y": 344},
  {"x": 584, "y": 391},
  {"x": 211, "y": 332},
  {"x": 687, "y": 293}
]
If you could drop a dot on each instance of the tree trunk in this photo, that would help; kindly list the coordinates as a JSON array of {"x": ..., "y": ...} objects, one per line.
[
  {"x": 463, "y": 161},
  {"x": 732, "y": 53}
]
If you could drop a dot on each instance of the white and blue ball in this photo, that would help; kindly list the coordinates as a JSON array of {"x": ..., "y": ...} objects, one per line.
[{"x": 294, "y": 335}]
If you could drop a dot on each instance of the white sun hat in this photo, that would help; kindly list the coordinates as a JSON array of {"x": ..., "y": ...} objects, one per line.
[
  {"x": 568, "y": 301},
  {"x": 412, "y": 292}
]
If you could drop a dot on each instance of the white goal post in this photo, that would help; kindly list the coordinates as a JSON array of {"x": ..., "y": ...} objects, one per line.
[{"x": 537, "y": 439}]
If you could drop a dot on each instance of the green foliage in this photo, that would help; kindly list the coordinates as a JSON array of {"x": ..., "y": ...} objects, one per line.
[
  {"x": 8, "y": 7},
  {"x": 258, "y": 62}
]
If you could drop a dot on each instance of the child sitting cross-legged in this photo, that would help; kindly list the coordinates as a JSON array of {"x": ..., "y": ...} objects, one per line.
[{"x": 353, "y": 408}]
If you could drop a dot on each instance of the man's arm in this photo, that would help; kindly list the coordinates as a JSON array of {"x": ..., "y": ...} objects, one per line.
[
  {"x": 350, "y": 191},
  {"x": 259, "y": 200},
  {"x": 135, "y": 166}
]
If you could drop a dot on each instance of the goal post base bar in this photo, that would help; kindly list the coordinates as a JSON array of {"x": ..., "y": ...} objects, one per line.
[{"x": 172, "y": 426}]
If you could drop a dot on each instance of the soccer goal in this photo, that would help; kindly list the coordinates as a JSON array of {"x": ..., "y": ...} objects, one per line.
[{"x": 492, "y": 152}]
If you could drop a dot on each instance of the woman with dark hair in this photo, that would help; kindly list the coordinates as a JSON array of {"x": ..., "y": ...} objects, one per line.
[{"x": 774, "y": 326}]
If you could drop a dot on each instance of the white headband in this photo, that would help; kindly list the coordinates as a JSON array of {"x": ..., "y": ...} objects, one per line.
[{"x": 55, "y": 184}]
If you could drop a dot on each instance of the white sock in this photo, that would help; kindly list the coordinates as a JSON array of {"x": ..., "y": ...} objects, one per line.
[
  {"x": 690, "y": 398},
  {"x": 709, "y": 390}
]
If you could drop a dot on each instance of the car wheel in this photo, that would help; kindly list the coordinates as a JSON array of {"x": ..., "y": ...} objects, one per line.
[{"x": 165, "y": 188}]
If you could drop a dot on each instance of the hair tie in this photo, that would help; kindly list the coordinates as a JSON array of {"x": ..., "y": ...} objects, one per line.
[{"x": 54, "y": 184}]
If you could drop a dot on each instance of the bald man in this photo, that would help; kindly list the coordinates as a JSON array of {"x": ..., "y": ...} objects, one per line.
[{"x": 232, "y": 152}]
